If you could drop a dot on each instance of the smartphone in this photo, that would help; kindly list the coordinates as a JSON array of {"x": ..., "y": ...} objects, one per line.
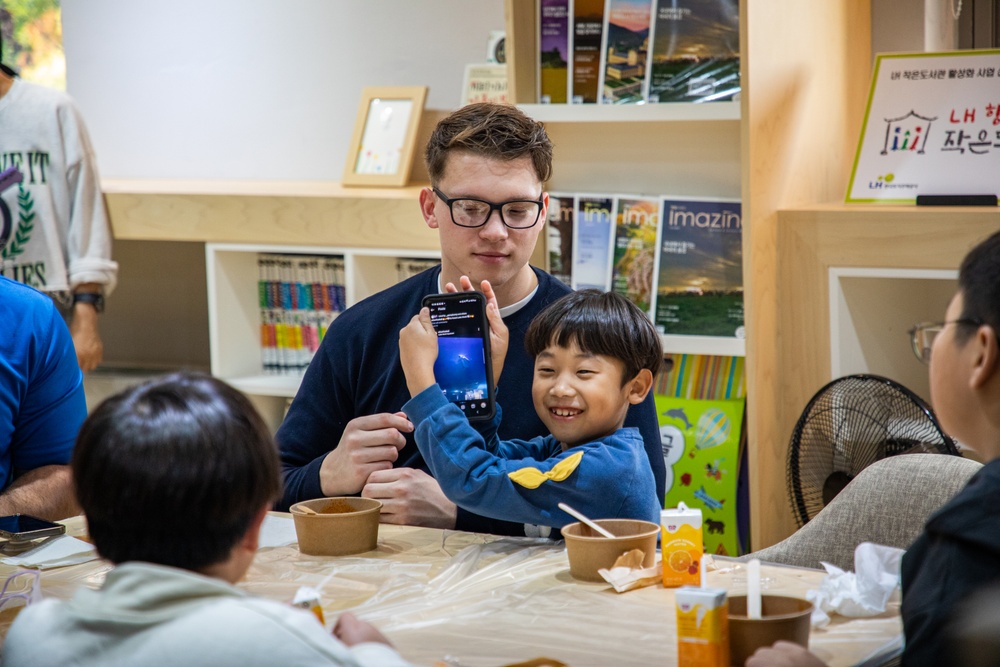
[
  {"x": 464, "y": 368},
  {"x": 23, "y": 527}
]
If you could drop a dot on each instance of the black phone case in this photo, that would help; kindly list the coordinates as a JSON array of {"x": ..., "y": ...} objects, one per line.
[
  {"x": 21, "y": 527},
  {"x": 490, "y": 410}
]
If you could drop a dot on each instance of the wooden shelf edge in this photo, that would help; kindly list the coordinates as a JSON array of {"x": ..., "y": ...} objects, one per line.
[
  {"x": 333, "y": 189},
  {"x": 278, "y": 386},
  {"x": 616, "y": 113},
  {"x": 711, "y": 345},
  {"x": 890, "y": 210},
  {"x": 294, "y": 213}
]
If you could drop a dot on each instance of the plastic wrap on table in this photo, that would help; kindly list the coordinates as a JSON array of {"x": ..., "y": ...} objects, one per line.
[{"x": 487, "y": 601}]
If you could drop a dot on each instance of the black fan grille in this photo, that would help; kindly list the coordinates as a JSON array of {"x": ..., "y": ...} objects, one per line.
[{"x": 848, "y": 425}]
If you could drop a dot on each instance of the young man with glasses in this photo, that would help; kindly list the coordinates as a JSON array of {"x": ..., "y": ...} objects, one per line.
[
  {"x": 344, "y": 433},
  {"x": 958, "y": 553}
]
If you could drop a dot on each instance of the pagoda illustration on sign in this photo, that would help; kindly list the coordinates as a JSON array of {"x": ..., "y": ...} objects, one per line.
[{"x": 907, "y": 133}]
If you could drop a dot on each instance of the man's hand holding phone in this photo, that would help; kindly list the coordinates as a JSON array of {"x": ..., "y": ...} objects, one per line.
[{"x": 368, "y": 444}]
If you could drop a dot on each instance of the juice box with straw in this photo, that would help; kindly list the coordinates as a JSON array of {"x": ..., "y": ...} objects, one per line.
[
  {"x": 681, "y": 544},
  {"x": 702, "y": 627}
]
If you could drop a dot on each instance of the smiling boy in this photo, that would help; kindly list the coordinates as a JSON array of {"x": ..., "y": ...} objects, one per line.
[{"x": 595, "y": 354}]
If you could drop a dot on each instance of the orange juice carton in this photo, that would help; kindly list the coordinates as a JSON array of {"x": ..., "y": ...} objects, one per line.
[
  {"x": 308, "y": 598},
  {"x": 702, "y": 627},
  {"x": 682, "y": 545}
]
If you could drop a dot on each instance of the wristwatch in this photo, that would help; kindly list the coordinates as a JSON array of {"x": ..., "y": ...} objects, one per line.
[{"x": 93, "y": 298}]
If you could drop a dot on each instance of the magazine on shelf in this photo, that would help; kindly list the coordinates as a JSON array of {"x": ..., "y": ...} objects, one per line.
[
  {"x": 553, "y": 56},
  {"x": 633, "y": 265},
  {"x": 699, "y": 286},
  {"x": 624, "y": 50},
  {"x": 559, "y": 237},
  {"x": 592, "y": 239},
  {"x": 695, "y": 51},
  {"x": 585, "y": 68}
]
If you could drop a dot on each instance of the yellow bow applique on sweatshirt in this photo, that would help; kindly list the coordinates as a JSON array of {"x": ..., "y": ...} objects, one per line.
[{"x": 532, "y": 478}]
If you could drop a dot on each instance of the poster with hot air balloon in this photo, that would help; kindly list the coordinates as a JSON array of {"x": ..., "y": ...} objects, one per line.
[{"x": 701, "y": 450}]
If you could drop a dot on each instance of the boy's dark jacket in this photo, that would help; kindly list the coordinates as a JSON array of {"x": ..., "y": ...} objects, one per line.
[{"x": 957, "y": 554}]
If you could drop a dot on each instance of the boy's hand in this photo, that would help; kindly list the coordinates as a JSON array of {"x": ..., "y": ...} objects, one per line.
[
  {"x": 418, "y": 350},
  {"x": 499, "y": 336},
  {"x": 784, "y": 654},
  {"x": 350, "y": 630}
]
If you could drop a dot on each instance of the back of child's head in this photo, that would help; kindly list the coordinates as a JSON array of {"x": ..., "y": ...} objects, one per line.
[
  {"x": 174, "y": 471},
  {"x": 601, "y": 323},
  {"x": 979, "y": 281}
]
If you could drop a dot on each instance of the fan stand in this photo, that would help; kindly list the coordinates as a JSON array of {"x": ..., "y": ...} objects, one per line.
[{"x": 834, "y": 484}]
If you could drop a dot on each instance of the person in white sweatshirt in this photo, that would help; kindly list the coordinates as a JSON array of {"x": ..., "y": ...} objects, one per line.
[
  {"x": 175, "y": 477},
  {"x": 54, "y": 230}
]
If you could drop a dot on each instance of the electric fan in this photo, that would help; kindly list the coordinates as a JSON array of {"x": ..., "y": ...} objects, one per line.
[{"x": 849, "y": 424}]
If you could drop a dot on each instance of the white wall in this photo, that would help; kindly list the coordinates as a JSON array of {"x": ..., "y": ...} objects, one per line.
[
  {"x": 897, "y": 26},
  {"x": 255, "y": 89}
]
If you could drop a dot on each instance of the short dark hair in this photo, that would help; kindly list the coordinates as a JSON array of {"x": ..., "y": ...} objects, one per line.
[
  {"x": 173, "y": 471},
  {"x": 603, "y": 323},
  {"x": 979, "y": 283},
  {"x": 498, "y": 131}
]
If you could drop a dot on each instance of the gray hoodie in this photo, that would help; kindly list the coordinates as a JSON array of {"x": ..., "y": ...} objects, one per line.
[{"x": 149, "y": 615}]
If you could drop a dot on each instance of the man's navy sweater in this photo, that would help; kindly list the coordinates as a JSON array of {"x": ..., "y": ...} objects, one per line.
[{"x": 356, "y": 372}]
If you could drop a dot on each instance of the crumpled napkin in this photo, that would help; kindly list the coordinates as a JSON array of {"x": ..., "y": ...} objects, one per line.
[
  {"x": 627, "y": 572},
  {"x": 277, "y": 531},
  {"x": 864, "y": 592},
  {"x": 55, "y": 552}
]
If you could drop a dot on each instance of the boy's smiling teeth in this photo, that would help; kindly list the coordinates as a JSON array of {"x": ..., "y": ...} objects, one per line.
[{"x": 565, "y": 412}]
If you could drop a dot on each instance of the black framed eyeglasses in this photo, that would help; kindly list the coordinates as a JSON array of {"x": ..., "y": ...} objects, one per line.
[
  {"x": 516, "y": 213},
  {"x": 922, "y": 335}
]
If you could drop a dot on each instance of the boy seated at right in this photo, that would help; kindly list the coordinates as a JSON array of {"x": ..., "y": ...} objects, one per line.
[
  {"x": 958, "y": 553},
  {"x": 595, "y": 355},
  {"x": 175, "y": 477}
]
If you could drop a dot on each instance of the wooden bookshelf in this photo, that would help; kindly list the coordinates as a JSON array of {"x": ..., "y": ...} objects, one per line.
[{"x": 805, "y": 69}]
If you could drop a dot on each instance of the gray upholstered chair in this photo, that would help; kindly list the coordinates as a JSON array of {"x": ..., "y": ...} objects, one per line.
[{"x": 887, "y": 503}]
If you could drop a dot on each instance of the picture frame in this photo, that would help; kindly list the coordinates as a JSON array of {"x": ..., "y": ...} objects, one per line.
[{"x": 382, "y": 144}]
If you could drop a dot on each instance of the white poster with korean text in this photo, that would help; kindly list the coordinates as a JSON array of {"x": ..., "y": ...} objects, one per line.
[{"x": 932, "y": 127}]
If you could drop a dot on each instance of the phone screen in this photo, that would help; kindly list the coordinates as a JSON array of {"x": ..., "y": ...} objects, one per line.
[
  {"x": 463, "y": 368},
  {"x": 24, "y": 524}
]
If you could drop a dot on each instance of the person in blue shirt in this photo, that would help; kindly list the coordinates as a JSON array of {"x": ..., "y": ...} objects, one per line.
[
  {"x": 595, "y": 355},
  {"x": 42, "y": 405}
]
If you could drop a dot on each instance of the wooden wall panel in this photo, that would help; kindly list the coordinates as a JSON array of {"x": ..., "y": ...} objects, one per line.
[{"x": 806, "y": 68}]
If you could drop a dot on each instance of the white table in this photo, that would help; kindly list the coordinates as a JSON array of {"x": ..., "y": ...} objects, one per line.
[{"x": 485, "y": 601}]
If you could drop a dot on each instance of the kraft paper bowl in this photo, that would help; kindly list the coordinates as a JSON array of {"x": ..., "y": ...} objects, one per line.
[
  {"x": 781, "y": 618},
  {"x": 340, "y": 527},
  {"x": 589, "y": 552}
]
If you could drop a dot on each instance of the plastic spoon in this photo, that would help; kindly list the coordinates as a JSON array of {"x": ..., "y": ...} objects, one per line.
[
  {"x": 753, "y": 589},
  {"x": 572, "y": 512}
]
